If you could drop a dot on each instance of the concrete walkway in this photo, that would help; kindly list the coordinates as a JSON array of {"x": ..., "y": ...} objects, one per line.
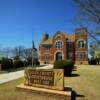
[
  {"x": 15, "y": 75},
  {"x": 11, "y": 76},
  {"x": 46, "y": 66}
]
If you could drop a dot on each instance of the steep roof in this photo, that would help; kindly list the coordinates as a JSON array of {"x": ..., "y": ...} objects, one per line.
[
  {"x": 69, "y": 36},
  {"x": 66, "y": 35},
  {"x": 48, "y": 41}
]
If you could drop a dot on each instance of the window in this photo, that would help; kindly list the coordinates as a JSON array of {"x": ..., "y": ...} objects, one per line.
[
  {"x": 84, "y": 55},
  {"x": 76, "y": 55},
  {"x": 81, "y": 56},
  {"x": 70, "y": 45},
  {"x": 59, "y": 56},
  {"x": 46, "y": 57},
  {"x": 70, "y": 55},
  {"x": 80, "y": 43},
  {"x": 58, "y": 44},
  {"x": 47, "y": 47}
]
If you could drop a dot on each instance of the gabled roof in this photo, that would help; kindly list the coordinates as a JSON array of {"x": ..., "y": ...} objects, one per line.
[
  {"x": 63, "y": 33},
  {"x": 48, "y": 41},
  {"x": 71, "y": 37},
  {"x": 66, "y": 35}
]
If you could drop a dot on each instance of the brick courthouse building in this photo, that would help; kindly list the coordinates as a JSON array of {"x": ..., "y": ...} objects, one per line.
[{"x": 65, "y": 46}]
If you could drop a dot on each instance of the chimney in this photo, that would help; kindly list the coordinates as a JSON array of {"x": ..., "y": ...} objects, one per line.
[{"x": 45, "y": 37}]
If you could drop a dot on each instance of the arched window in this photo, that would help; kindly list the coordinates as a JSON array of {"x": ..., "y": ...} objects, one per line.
[
  {"x": 70, "y": 55},
  {"x": 58, "y": 44},
  {"x": 58, "y": 56},
  {"x": 81, "y": 43}
]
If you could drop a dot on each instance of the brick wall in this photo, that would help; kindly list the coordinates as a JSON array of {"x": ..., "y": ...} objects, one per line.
[{"x": 80, "y": 34}]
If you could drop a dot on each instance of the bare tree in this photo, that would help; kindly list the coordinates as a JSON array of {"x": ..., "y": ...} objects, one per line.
[
  {"x": 90, "y": 11},
  {"x": 95, "y": 51},
  {"x": 7, "y": 51},
  {"x": 27, "y": 53},
  {"x": 18, "y": 51}
]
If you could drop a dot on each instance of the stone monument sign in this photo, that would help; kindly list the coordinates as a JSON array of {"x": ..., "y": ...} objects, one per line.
[{"x": 46, "y": 78}]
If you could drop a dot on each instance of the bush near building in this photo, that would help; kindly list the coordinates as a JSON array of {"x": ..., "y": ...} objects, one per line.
[
  {"x": 36, "y": 63},
  {"x": 18, "y": 64},
  {"x": 94, "y": 61},
  {"x": 0, "y": 61},
  {"x": 6, "y": 64},
  {"x": 67, "y": 65},
  {"x": 26, "y": 63}
]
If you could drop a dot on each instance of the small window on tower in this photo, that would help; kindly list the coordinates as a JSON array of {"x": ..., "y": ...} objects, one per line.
[{"x": 81, "y": 43}]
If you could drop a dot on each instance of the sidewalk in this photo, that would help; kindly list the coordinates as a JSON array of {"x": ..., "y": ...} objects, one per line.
[
  {"x": 15, "y": 75},
  {"x": 11, "y": 76},
  {"x": 48, "y": 66}
]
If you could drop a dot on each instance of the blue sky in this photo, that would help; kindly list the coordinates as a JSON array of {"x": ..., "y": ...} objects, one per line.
[{"x": 24, "y": 20}]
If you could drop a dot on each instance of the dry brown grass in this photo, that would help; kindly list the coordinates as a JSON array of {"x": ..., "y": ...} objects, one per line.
[{"x": 85, "y": 82}]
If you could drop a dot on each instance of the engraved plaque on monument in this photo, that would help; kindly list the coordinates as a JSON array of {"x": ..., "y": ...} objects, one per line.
[
  {"x": 42, "y": 77},
  {"x": 46, "y": 78}
]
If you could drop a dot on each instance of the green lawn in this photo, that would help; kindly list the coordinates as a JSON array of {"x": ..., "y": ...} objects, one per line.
[{"x": 85, "y": 83}]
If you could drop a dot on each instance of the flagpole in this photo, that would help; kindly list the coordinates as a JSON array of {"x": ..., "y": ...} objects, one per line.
[
  {"x": 32, "y": 56},
  {"x": 32, "y": 45}
]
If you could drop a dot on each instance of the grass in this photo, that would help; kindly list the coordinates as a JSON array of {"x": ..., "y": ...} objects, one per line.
[
  {"x": 8, "y": 90},
  {"x": 84, "y": 82}
]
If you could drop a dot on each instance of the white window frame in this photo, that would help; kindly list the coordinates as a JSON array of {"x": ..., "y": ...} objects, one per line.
[
  {"x": 80, "y": 45},
  {"x": 58, "y": 44}
]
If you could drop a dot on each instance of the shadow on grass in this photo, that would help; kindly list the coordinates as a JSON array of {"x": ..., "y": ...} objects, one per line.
[
  {"x": 72, "y": 75},
  {"x": 74, "y": 95},
  {"x": 67, "y": 89}
]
